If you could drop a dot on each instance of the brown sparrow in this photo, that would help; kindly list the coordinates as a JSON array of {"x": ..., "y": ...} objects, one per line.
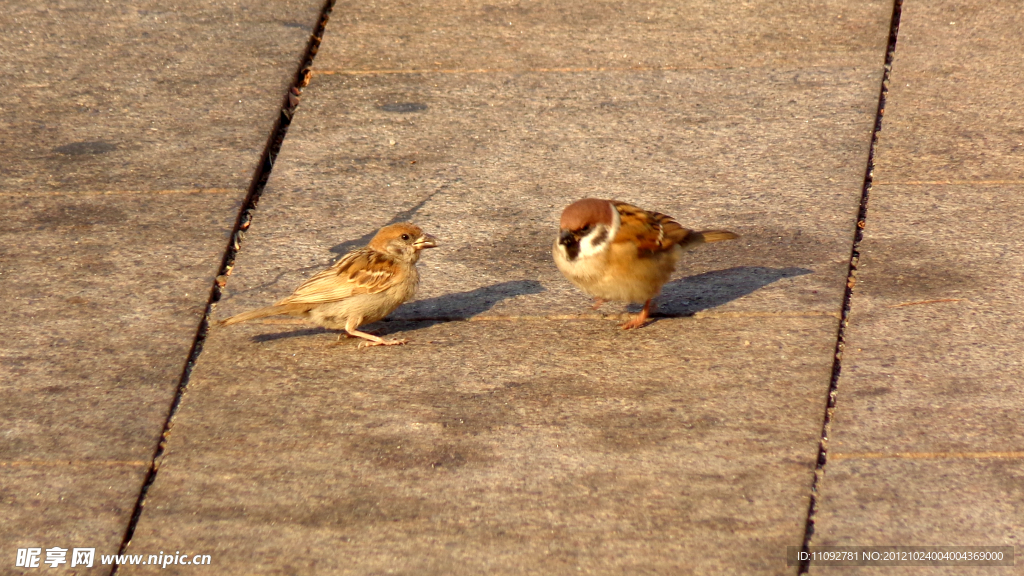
[
  {"x": 363, "y": 287},
  {"x": 614, "y": 251}
]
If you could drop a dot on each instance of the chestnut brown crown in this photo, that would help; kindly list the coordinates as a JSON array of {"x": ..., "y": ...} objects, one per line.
[{"x": 586, "y": 212}]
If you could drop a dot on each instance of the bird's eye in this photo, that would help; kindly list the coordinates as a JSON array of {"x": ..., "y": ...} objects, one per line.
[
  {"x": 586, "y": 230},
  {"x": 405, "y": 236}
]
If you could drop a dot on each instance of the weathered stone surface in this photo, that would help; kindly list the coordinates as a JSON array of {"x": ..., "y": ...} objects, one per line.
[
  {"x": 923, "y": 502},
  {"x": 479, "y": 37},
  {"x": 928, "y": 442},
  {"x": 491, "y": 160},
  {"x": 143, "y": 96},
  {"x": 532, "y": 440},
  {"x": 952, "y": 107},
  {"x": 130, "y": 135},
  {"x": 497, "y": 447},
  {"x": 68, "y": 504},
  {"x": 100, "y": 289},
  {"x": 935, "y": 340}
]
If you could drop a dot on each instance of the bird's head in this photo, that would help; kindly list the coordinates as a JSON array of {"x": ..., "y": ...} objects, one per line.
[
  {"x": 587, "y": 228},
  {"x": 403, "y": 241}
]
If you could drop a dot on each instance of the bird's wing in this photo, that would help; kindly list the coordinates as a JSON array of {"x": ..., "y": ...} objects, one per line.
[
  {"x": 363, "y": 271},
  {"x": 649, "y": 230}
]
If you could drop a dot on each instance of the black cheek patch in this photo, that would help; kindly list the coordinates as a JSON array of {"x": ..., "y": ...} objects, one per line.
[
  {"x": 600, "y": 237},
  {"x": 572, "y": 247}
]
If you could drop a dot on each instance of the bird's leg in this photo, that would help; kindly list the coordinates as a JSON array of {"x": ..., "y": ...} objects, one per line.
[
  {"x": 375, "y": 340},
  {"x": 598, "y": 302},
  {"x": 371, "y": 340},
  {"x": 640, "y": 319}
]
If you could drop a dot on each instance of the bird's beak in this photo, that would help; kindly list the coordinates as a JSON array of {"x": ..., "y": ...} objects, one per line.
[
  {"x": 425, "y": 241},
  {"x": 566, "y": 237}
]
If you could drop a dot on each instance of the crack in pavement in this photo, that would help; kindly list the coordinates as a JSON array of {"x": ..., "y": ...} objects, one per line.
[{"x": 822, "y": 460}]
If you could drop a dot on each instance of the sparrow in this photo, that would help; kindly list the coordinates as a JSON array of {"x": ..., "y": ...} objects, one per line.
[
  {"x": 614, "y": 251},
  {"x": 362, "y": 287}
]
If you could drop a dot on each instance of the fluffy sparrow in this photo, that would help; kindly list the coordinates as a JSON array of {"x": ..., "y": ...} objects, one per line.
[
  {"x": 614, "y": 251},
  {"x": 363, "y": 287}
]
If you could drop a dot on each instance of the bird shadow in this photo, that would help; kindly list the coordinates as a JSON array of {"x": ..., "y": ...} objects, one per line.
[
  {"x": 682, "y": 297},
  {"x": 437, "y": 310},
  {"x": 693, "y": 294},
  {"x": 289, "y": 334}
]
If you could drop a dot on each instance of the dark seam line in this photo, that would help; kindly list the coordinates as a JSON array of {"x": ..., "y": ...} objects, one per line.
[
  {"x": 851, "y": 279},
  {"x": 259, "y": 182}
]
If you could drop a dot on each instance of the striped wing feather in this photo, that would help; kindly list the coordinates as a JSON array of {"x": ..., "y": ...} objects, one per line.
[
  {"x": 363, "y": 271},
  {"x": 652, "y": 231}
]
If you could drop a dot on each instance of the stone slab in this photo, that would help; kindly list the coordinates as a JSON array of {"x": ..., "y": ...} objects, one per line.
[
  {"x": 934, "y": 345},
  {"x": 490, "y": 160},
  {"x": 68, "y": 504},
  {"x": 923, "y": 502},
  {"x": 144, "y": 96},
  {"x": 573, "y": 34},
  {"x": 528, "y": 447},
  {"x": 952, "y": 110},
  {"x": 927, "y": 442},
  {"x": 535, "y": 439},
  {"x": 131, "y": 134},
  {"x": 105, "y": 294},
  {"x": 485, "y": 149}
]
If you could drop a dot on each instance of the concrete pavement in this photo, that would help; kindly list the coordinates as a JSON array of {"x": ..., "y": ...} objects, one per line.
[
  {"x": 519, "y": 432},
  {"x": 928, "y": 438},
  {"x": 131, "y": 134}
]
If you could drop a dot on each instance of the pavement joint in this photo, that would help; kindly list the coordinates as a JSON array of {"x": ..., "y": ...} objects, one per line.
[
  {"x": 949, "y": 182},
  {"x": 822, "y": 460},
  {"x": 565, "y": 70},
  {"x": 921, "y": 302},
  {"x": 73, "y": 463},
  {"x": 259, "y": 181},
  {"x": 81, "y": 193},
  {"x": 928, "y": 455}
]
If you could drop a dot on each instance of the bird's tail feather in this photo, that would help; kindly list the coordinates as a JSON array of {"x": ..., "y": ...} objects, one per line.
[
  {"x": 714, "y": 236},
  {"x": 693, "y": 238},
  {"x": 260, "y": 313}
]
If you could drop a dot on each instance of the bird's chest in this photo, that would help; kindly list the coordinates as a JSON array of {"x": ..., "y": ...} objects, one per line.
[
  {"x": 623, "y": 273},
  {"x": 407, "y": 289}
]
